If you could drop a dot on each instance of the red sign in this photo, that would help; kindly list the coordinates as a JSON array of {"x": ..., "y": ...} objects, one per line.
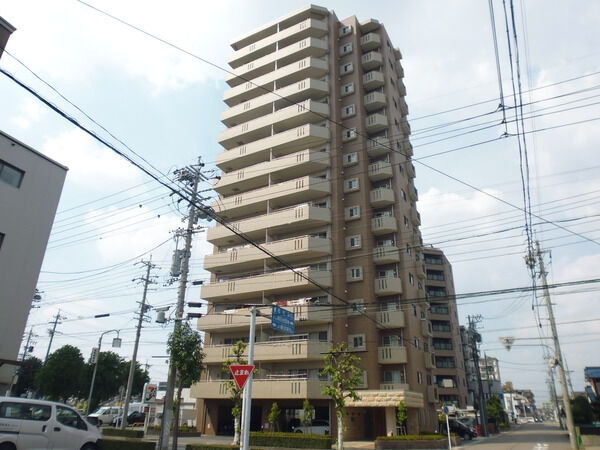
[{"x": 241, "y": 374}]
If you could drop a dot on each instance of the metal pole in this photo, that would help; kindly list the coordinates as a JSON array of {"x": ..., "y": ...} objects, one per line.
[
  {"x": 555, "y": 398},
  {"x": 167, "y": 417},
  {"x": 557, "y": 353},
  {"x": 56, "y": 319},
  {"x": 87, "y": 409},
  {"x": 247, "y": 411},
  {"x": 481, "y": 402},
  {"x": 448, "y": 432},
  {"x": 133, "y": 364},
  {"x": 25, "y": 350}
]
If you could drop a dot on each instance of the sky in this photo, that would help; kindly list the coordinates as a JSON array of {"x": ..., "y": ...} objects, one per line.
[{"x": 164, "y": 104}]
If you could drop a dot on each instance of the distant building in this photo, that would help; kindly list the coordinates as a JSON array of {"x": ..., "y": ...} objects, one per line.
[
  {"x": 592, "y": 376},
  {"x": 469, "y": 365},
  {"x": 490, "y": 377},
  {"x": 30, "y": 188}
]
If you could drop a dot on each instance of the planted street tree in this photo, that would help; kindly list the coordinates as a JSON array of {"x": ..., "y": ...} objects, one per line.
[
  {"x": 273, "y": 417},
  {"x": 308, "y": 414},
  {"x": 185, "y": 350},
  {"x": 61, "y": 376},
  {"x": 235, "y": 393},
  {"x": 26, "y": 376},
  {"x": 402, "y": 416},
  {"x": 341, "y": 367},
  {"x": 495, "y": 410}
]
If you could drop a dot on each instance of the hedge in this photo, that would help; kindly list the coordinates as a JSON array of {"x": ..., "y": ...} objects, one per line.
[
  {"x": 290, "y": 440},
  {"x": 413, "y": 437},
  {"x": 109, "y": 431},
  {"x": 127, "y": 444}
]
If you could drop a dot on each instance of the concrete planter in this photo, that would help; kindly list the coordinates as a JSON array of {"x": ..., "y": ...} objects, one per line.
[{"x": 410, "y": 444}]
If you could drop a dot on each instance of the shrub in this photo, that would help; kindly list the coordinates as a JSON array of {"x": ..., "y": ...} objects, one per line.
[
  {"x": 127, "y": 444},
  {"x": 413, "y": 437},
  {"x": 290, "y": 440},
  {"x": 109, "y": 431},
  {"x": 213, "y": 447}
]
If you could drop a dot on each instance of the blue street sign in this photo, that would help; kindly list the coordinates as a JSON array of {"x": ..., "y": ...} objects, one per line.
[
  {"x": 446, "y": 410},
  {"x": 282, "y": 320}
]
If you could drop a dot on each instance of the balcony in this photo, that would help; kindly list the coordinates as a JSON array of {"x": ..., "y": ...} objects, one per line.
[
  {"x": 307, "y": 88},
  {"x": 394, "y": 387},
  {"x": 375, "y": 100},
  {"x": 288, "y": 220},
  {"x": 405, "y": 126},
  {"x": 426, "y": 328},
  {"x": 415, "y": 217},
  {"x": 276, "y": 196},
  {"x": 380, "y": 170},
  {"x": 383, "y": 225},
  {"x": 390, "y": 319},
  {"x": 413, "y": 193},
  {"x": 376, "y": 122},
  {"x": 407, "y": 148},
  {"x": 309, "y": 111},
  {"x": 372, "y": 80},
  {"x": 382, "y": 197},
  {"x": 306, "y": 47},
  {"x": 237, "y": 320},
  {"x": 420, "y": 269},
  {"x": 274, "y": 283},
  {"x": 305, "y": 68},
  {"x": 432, "y": 394},
  {"x": 263, "y": 389},
  {"x": 275, "y": 171},
  {"x": 392, "y": 355},
  {"x": 276, "y": 350},
  {"x": 369, "y": 25},
  {"x": 250, "y": 258},
  {"x": 428, "y": 358},
  {"x": 403, "y": 107},
  {"x": 370, "y": 41},
  {"x": 388, "y": 286},
  {"x": 378, "y": 146},
  {"x": 306, "y": 28},
  {"x": 410, "y": 169},
  {"x": 371, "y": 60},
  {"x": 280, "y": 144}
]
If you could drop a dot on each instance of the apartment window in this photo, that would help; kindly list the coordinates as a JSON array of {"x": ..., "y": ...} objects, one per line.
[
  {"x": 357, "y": 306},
  {"x": 394, "y": 377},
  {"x": 1, "y": 239},
  {"x": 433, "y": 259},
  {"x": 345, "y": 30},
  {"x": 346, "y": 69},
  {"x": 408, "y": 249},
  {"x": 435, "y": 291},
  {"x": 363, "y": 379},
  {"x": 444, "y": 362},
  {"x": 406, "y": 224},
  {"x": 435, "y": 275},
  {"x": 345, "y": 49},
  {"x": 354, "y": 273},
  {"x": 417, "y": 343},
  {"x": 351, "y": 185},
  {"x": 349, "y": 134},
  {"x": 411, "y": 278},
  {"x": 403, "y": 194},
  {"x": 350, "y": 159},
  {"x": 356, "y": 341},
  {"x": 353, "y": 242},
  {"x": 347, "y": 89},
  {"x": 419, "y": 377},
  {"x": 10, "y": 174},
  {"x": 394, "y": 340},
  {"x": 348, "y": 111},
  {"x": 353, "y": 213},
  {"x": 441, "y": 325}
]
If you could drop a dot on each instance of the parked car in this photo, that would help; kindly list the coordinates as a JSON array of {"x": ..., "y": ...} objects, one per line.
[
  {"x": 105, "y": 415},
  {"x": 462, "y": 430},
  {"x": 317, "y": 427},
  {"x": 27, "y": 424},
  {"x": 136, "y": 417}
]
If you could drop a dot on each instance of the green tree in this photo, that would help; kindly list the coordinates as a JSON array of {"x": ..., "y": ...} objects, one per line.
[
  {"x": 109, "y": 377},
  {"x": 341, "y": 367},
  {"x": 185, "y": 349},
  {"x": 235, "y": 393},
  {"x": 582, "y": 410},
  {"x": 26, "y": 376},
  {"x": 308, "y": 414},
  {"x": 402, "y": 416},
  {"x": 495, "y": 410},
  {"x": 61, "y": 376},
  {"x": 273, "y": 417},
  {"x": 140, "y": 377}
]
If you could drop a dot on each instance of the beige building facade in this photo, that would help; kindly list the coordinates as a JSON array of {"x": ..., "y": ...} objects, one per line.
[
  {"x": 317, "y": 169},
  {"x": 449, "y": 369}
]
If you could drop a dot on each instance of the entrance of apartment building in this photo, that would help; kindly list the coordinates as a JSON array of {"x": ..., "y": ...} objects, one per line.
[{"x": 225, "y": 420}]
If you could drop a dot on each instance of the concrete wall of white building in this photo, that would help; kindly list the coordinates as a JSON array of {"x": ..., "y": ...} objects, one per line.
[{"x": 26, "y": 216}]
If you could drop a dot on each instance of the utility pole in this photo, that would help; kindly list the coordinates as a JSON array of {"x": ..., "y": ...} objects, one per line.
[
  {"x": 474, "y": 336},
  {"x": 52, "y": 332},
  {"x": 143, "y": 308},
  {"x": 554, "y": 398},
  {"x": 25, "y": 351},
  {"x": 190, "y": 175},
  {"x": 557, "y": 351}
]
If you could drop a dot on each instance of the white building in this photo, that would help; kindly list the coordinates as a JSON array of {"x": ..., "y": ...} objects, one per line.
[{"x": 30, "y": 188}]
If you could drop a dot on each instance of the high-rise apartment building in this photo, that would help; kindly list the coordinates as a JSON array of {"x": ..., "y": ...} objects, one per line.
[
  {"x": 449, "y": 369},
  {"x": 317, "y": 169}
]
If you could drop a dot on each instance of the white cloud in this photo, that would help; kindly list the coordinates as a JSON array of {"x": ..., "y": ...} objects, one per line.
[{"x": 30, "y": 111}]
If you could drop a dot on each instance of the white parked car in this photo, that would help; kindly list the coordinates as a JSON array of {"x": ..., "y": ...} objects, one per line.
[
  {"x": 317, "y": 427},
  {"x": 27, "y": 424},
  {"x": 105, "y": 415}
]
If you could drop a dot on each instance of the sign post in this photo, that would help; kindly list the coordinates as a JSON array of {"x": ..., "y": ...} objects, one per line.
[
  {"x": 446, "y": 410},
  {"x": 246, "y": 410}
]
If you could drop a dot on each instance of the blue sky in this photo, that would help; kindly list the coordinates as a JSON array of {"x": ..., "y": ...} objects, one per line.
[{"x": 166, "y": 106}]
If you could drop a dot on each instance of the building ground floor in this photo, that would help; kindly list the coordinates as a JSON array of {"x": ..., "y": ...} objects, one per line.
[{"x": 365, "y": 420}]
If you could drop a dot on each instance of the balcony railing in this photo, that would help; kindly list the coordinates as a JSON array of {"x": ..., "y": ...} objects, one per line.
[
  {"x": 383, "y": 225},
  {"x": 388, "y": 286},
  {"x": 392, "y": 355},
  {"x": 370, "y": 41},
  {"x": 263, "y": 389},
  {"x": 296, "y": 350},
  {"x": 372, "y": 60},
  {"x": 390, "y": 319}
]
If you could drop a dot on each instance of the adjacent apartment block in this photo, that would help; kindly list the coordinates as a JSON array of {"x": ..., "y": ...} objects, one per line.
[
  {"x": 449, "y": 369},
  {"x": 316, "y": 168},
  {"x": 30, "y": 188}
]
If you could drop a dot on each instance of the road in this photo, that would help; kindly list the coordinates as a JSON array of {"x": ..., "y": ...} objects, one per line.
[{"x": 529, "y": 436}]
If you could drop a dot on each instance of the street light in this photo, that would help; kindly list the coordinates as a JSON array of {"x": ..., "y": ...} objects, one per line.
[{"x": 116, "y": 343}]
